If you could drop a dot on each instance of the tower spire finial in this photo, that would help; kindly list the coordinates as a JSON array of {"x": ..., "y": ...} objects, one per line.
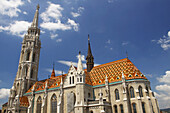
[
  {"x": 53, "y": 72},
  {"x": 35, "y": 20},
  {"x": 89, "y": 58},
  {"x": 126, "y": 54}
]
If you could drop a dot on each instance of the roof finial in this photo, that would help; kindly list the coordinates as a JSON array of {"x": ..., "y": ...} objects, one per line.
[
  {"x": 126, "y": 54},
  {"x": 53, "y": 72},
  {"x": 88, "y": 37},
  {"x": 38, "y": 7},
  {"x": 53, "y": 65},
  {"x": 79, "y": 52}
]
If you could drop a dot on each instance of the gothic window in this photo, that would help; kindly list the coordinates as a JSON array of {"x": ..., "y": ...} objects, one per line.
[
  {"x": 26, "y": 70},
  {"x": 28, "y": 56},
  {"x": 54, "y": 104},
  {"x": 134, "y": 108},
  {"x": 132, "y": 95},
  {"x": 91, "y": 111},
  {"x": 33, "y": 57},
  {"x": 121, "y": 108},
  {"x": 89, "y": 95},
  {"x": 117, "y": 94},
  {"x": 39, "y": 103},
  {"x": 140, "y": 91},
  {"x": 73, "y": 79},
  {"x": 32, "y": 72},
  {"x": 70, "y": 80},
  {"x": 115, "y": 107},
  {"x": 77, "y": 79},
  {"x": 80, "y": 79},
  {"x": 143, "y": 107}
]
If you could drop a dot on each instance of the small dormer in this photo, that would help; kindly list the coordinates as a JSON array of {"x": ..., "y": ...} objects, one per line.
[{"x": 70, "y": 78}]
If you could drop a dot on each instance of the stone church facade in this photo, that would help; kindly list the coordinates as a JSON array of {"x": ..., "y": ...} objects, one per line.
[{"x": 115, "y": 87}]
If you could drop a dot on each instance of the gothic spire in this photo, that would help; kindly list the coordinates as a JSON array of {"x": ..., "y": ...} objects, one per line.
[
  {"x": 53, "y": 72},
  {"x": 35, "y": 20},
  {"x": 89, "y": 58}
]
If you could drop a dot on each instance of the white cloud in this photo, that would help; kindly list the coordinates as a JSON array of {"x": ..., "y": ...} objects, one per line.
[
  {"x": 25, "y": 13},
  {"x": 78, "y": 13},
  {"x": 53, "y": 36},
  {"x": 10, "y": 7},
  {"x": 55, "y": 26},
  {"x": 163, "y": 91},
  {"x": 59, "y": 40},
  {"x": 52, "y": 12},
  {"x": 17, "y": 28},
  {"x": 0, "y": 81},
  {"x": 125, "y": 43},
  {"x": 165, "y": 78},
  {"x": 165, "y": 41},
  {"x": 29, "y": 1},
  {"x": 75, "y": 14},
  {"x": 56, "y": 71},
  {"x": 111, "y": 48},
  {"x": 4, "y": 93},
  {"x": 68, "y": 63},
  {"x": 73, "y": 24},
  {"x": 82, "y": 57}
]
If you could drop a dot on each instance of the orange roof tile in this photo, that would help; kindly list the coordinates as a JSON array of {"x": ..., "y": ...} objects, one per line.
[
  {"x": 113, "y": 70},
  {"x": 24, "y": 101}
]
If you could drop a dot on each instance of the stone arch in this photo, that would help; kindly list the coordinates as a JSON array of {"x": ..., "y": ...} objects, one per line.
[
  {"x": 140, "y": 91},
  {"x": 121, "y": 108},
  {"x": 54, "y": 103},
  {"x": 91, "y": 111},
  {"x": 117, "y": 97},
  {"x": 115, "y": 109},
  {"x": 39, "y": 104},
  {"x": 27, "y": 54},
  {"x": 134, "y": 108},
  {"x": 25, "y": 69},
  {"x": 132, "y": 94},
  {"x": 143, "y": 107}
]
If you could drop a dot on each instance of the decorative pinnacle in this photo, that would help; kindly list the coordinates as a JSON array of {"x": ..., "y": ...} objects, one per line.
[
  {"x": 53, "y": 65},
  {"x": 126, "y": 54},
  {"x": 38, "y": 7},
  {"x": 88, "y": 37},
  {"x": 79, "y": 52}
]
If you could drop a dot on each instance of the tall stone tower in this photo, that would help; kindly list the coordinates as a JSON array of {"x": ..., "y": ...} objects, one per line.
[
  {"x": 29, "y": 60},
  {"x": 89, "y": 58}
]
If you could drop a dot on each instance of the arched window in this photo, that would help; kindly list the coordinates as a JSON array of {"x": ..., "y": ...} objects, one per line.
[
  {"x": 32, "y": 73},
  {"x": 77, "y": 79},
  {"x": 73, "y": 79},
  {"x": 80, "y": 79},
  {"x": 117, "y": 94},
  {"x": 143, "y": 107},
  {"x": 115, "y": 107},
  {"x": 132, "y": 95},
  {"x": 134, "y": 108},
  {"x": 70, "y": 80},
  {"x": 33, "y": 57},
  {"x": 28, "y": 56},
  {"x": 89, "y": 95},
  {"x": 54, "y": 104},
  {"x": 140, "y": 91},
  {"x": 26, "y": 70},
  {"x": 39, "y": 103},
  {"x": 91, "y": 111},
  {"x": 121, "y": 108}
]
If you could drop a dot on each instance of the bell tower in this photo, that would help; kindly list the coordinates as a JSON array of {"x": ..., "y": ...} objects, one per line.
[{"x": 29, "y": 60}]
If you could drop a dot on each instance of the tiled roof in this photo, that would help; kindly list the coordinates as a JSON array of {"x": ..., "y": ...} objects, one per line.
[
  {"x": 52, "y": 82},
  {"x": 97, "y": 75},
  {"x": 113, "y": 70},
  {"x": 24, "y": 101}
]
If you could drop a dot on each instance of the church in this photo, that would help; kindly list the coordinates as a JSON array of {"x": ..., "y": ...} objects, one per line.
[{"x": 114, "y": 87}]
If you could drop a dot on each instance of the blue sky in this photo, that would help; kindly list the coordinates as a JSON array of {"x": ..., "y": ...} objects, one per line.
[{"x": 141, "y": 27}]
